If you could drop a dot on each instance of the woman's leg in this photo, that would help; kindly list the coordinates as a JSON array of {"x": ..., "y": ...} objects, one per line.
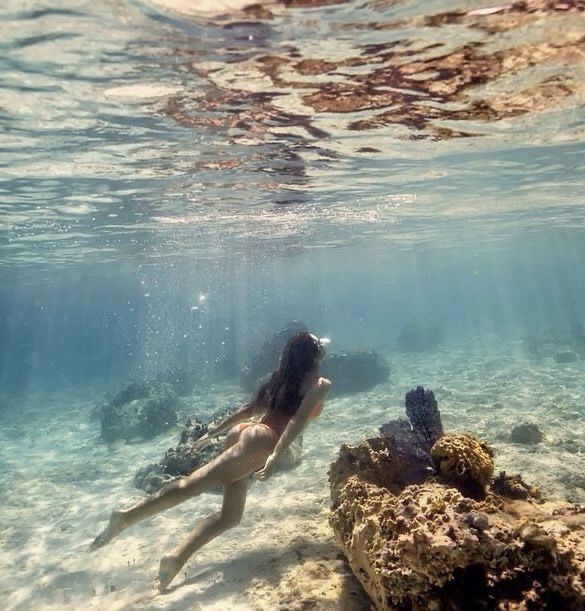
[
  {"x": 234, "y": 501},
  {"x": 246, "y": 456}
]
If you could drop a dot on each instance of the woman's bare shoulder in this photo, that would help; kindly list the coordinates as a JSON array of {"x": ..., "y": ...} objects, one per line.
[{"x": 323, "y": 384}]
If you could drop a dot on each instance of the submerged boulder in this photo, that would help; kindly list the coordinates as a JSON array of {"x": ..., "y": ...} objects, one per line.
[
  {"x": 414, "y": 337},
  {"x": 566, "y": 356},
  {"x": 418, "y": 538},
  {"x": 429, "y": 546},
  {"x": 139, "y": 411},
  {"x": 526, "y": 433},
  {"x": 352, "y": 372}
]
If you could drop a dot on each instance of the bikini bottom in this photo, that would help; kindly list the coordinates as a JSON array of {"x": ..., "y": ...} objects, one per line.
[{"x": 244, "y": 425}]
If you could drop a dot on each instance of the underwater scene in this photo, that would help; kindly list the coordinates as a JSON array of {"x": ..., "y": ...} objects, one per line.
[{"x": 187, "y": 188}]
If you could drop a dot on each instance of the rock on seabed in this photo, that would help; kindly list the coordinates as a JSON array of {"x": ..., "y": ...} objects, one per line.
[{"x": 428, "y": 546}]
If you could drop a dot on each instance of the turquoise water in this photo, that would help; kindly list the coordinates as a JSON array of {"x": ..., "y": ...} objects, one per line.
[{"x": 177, "y": 184}]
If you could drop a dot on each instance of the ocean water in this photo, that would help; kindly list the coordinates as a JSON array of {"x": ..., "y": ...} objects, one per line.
[{"x": 181, "y": 179}]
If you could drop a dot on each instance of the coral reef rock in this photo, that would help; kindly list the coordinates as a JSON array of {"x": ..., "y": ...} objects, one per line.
[
  {"x": 264, "y": 360},
  {"x": 424, "y": 415},
  {"x": 419, "y": 338},
  {"x": 403, "y": 444},
  {"x": 139, "y": 411},
  {"x": 566, "y": 357},
  {"x": 352, "y": 372},
  {"x": 410, "y": 441},
  {"x": 526, "y": 433},
  {"x": 182, "y": 379},
  {"x": 428, "y": 546},
  {"x": 514, "y": 487},
  {"x": 464, "y": 460},
  {"x": 376, "y": 463}
]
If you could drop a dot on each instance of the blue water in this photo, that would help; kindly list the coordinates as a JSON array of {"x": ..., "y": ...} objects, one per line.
[{"x": 177, "y": 183}]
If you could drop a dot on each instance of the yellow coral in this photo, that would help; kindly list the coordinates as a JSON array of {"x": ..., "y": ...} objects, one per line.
[{"x": 464, "y": 459}]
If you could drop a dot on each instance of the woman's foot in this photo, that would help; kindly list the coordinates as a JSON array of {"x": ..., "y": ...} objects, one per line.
[
  {"x": 169, "y": 567},
  {"x": 114, "y": 528}
]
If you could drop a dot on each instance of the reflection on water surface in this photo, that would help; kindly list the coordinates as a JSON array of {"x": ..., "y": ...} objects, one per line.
[{"x": 122, "y": 121}]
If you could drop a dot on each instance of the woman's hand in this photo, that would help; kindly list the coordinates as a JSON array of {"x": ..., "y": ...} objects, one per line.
[{"x": 268, "y": 468}]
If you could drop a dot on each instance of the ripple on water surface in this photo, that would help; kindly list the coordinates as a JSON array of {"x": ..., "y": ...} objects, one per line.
[{"x": 130, "y": 125}]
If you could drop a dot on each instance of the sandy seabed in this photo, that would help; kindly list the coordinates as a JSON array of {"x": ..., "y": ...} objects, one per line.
[{"x": 59, "y": 482}]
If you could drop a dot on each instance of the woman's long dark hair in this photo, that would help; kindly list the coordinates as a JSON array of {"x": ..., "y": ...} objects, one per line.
[{"x": 282, "y": 391}]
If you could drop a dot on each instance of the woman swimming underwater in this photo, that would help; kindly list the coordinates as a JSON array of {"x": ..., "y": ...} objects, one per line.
[{"x": 292, "y": 396}]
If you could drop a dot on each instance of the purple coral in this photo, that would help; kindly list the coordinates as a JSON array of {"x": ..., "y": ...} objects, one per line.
[{"x": 424, "y": 415}]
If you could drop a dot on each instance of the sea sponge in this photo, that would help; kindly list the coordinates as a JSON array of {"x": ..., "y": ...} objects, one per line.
[{"x": 465, "y": 461}]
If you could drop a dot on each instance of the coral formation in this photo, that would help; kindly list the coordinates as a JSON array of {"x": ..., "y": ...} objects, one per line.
[
  {"x": 428, "y": 546},
  {"x": 353, "y": 372},
  {"x": 376, "y": 463},
  {"x": 514, "y": 487},
  {"x": 526, "y": 433},
  {"x": 419, "y": 337},
  {"x": 464, "y": 460},
  {"x": 567, "y": 356},
  {"x": 139, "y": 411},
  {"x": 424, "y": 415}
]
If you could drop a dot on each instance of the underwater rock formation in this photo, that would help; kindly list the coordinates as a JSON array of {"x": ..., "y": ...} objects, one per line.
[
  {"x": 514, "y": 487},
  {"x": 179, "y": 460},
  {"x": 421, "y": 538},
  {"x": 264, "y": 360},
  {"x": 419, "y": 338},
  {"x": 566, "y": 356},
  {"x": 139, "y": 411},
  {"x": 377, "y": 464},
  {"x": 526, "y": 433},
  {"x": 429, "y": 546},
  {"x": 182, "y": 379},
  {"x": 464, "y": 461},
  {"x": 352, "y": 372}
]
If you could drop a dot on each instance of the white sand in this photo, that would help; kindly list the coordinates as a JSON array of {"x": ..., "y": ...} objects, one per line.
[{"x": 58, "y": 483}]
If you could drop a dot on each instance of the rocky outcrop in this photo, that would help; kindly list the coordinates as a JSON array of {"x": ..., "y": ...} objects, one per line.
[
  {"x": 526, "y": 433},
  {"x": 140, "y": 411},
  {"x": 430, "y": 547},
  {"x": 419, "y": 338},
  {"x": 417, "y": 540},
  {"x": 352, "y": 372}
]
